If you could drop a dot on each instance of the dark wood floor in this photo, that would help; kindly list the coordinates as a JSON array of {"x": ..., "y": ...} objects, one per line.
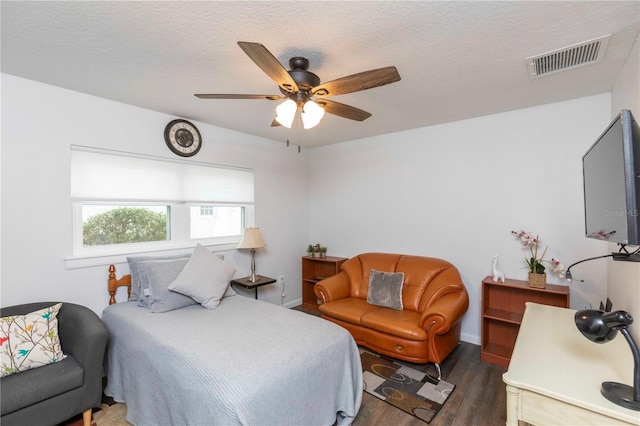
[{"x": 479, "y": 397}]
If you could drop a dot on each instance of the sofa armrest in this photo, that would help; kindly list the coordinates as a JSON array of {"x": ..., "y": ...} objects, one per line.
[
  {"x": 444, "y": 313},
  {"x": 333, "y": 288},
  {"x": 82, "y": 334}
]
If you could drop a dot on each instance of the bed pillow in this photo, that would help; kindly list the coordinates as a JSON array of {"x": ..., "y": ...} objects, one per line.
[
  {"x": 205, "y": 278},
  {"x": 385, "y": 289},
  {"x": 156, "y": 275},
  {"x": 136, "y": 290},
  {"x": 30, "y": 341}
]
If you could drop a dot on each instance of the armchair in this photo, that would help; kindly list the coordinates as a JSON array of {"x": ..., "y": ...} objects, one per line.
[{"x": 54, "y": 393}]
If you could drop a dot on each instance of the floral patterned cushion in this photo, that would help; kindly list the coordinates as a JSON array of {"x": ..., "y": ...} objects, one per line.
[{"x": 29, "y": 341}]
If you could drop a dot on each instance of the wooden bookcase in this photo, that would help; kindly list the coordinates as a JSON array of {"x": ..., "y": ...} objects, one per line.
[
  {"x": 503, "y": 306},
  {"x": 315, "y": 269}
]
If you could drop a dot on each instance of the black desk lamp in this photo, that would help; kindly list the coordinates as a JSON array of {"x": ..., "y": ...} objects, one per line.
[{"x": 600, "y": 327}]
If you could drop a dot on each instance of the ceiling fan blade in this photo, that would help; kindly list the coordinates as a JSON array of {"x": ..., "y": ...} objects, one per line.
[
  {"x": 356, "y": 82},
  {"x": 269, "y": 64},
  {"x": 342, "y": 110},
  {"x": 275, "y": 123},
  {"x": 236, "y": 96}
]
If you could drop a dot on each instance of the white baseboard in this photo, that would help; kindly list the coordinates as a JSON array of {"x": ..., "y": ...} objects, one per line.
[
  {"x": 293, "y": 303},
  {"x": 470, "y": 338}
]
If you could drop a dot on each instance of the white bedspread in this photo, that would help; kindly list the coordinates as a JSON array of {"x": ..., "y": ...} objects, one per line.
[{"x": 246, "y": 362}]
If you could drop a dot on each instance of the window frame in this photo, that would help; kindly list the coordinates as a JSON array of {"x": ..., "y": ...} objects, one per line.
[{"x": 179, "y": 225}]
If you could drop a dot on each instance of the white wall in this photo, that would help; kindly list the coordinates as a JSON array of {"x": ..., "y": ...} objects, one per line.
[
  {"x": 624, "y": 277},
  {"x": 40, "y": 122},
  {"x": 455, "y": 191},
  {"x": 452, "y": 191}
]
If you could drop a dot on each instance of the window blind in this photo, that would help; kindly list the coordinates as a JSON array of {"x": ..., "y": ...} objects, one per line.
[{"x": 108, "y": 175}]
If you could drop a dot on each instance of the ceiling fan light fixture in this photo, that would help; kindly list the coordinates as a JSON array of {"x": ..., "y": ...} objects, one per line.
[
  {"x": 311, "y": 114},
  {"x": 285, "y": 112}
]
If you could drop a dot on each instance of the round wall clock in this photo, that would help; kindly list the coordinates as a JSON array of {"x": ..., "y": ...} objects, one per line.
[{"x": 183, "y": 138}]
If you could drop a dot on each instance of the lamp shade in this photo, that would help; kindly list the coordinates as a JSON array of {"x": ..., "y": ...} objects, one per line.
[
  {"x": 285, "y": 112},
  {"x": 592, "y": 325},
  {"x": 251, "y": 239},
  {"x": 312, "y": 113},
  {"x": 601, "y": 327}
]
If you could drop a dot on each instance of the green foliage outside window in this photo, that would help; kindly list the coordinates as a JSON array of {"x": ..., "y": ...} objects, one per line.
[{"x": 124, "y": 225}]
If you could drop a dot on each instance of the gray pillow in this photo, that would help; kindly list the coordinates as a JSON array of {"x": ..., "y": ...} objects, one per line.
[
  {"x": 385, "y": 289},
  {"x": 157, "y": 275},
  {"x": 136, "y": 291},
  {"x": 205, "y": 278}
]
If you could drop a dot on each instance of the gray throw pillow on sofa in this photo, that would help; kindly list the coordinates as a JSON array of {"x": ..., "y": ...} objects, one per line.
[{"x": 385, "y": 289}]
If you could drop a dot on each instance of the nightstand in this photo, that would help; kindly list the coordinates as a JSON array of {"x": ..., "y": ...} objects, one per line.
[{"x": 245, "y": 283}]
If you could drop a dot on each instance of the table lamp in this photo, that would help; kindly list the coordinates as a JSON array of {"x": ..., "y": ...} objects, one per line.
[
  {"x": 252, "y": 240},
  {"x": 601, "y": 327}
]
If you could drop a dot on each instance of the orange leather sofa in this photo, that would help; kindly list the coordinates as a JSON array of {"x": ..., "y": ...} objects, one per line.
[{"x": 434, "y": 300}]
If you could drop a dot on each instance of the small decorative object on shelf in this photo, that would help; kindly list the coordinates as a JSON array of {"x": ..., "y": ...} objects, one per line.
[
  {"x": 535, "y": 263},
  {"x": 497, "y": 275},
  {"x": 316, "y": 251}
]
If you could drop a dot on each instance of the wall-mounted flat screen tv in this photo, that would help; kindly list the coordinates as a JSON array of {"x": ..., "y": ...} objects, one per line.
[{"x": 610, "y": 171}]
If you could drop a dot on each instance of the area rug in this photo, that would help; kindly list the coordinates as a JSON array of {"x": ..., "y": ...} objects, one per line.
[{"x": 408, "y": 389}]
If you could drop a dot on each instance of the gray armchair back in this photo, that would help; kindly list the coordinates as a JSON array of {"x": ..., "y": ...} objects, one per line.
[{"x": 54, "y": 393}]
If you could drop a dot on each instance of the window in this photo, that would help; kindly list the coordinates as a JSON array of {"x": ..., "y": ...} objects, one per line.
[
  {"x": 215, "y": 221},
  {"x": 206, "y": 211},
  {"x": 109, "y": 225},
  {"x": 125, "y": 202}
]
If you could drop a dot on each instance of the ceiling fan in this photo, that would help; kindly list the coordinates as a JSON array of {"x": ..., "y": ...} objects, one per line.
[{"x": 303, "y": 91}]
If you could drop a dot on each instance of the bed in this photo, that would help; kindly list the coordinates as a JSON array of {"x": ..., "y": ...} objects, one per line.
[{"x": 244, "y": 362}]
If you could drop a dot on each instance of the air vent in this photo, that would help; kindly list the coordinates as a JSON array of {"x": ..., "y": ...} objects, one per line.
[{"x": 585, "y": 53}]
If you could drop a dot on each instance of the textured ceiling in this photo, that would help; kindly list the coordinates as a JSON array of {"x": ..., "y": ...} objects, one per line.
[{"x": 457, "y": 60}]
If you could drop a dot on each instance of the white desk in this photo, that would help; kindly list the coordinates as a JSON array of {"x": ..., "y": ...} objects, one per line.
[{"x": 555, "y": 373}]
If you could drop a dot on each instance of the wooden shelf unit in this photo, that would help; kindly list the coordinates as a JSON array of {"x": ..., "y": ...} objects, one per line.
[
  {"x": 503, "y": 306},
  {"x": 315, "y": 269}
]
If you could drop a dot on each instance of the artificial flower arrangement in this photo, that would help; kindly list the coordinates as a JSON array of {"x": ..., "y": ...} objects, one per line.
[{"x": 535, "y": 263}]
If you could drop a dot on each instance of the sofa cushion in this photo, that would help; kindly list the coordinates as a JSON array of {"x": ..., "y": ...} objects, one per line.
[
  {"x": 350, "y": 309},
  {"x": 32, "y": 386},
  {"x": 419, "y": 272},
  {"x": 385, "y": 289},
  {"x": 358, "y": 270},
  {"x": 397, "y": 323}
]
